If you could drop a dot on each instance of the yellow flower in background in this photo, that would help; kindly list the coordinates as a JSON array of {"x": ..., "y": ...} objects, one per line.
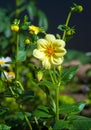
[
  {"x": 50, "y": 51},
  {"x": 34, "y": 29},
  {"x": 15, "y": 28}
]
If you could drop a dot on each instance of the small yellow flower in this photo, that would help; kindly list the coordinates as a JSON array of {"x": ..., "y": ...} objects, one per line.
[
  {"x": 34, "y": 30},
  {"x": 50, "y": 51},
  {"x": 15, "y": 28},
  {"x": 27, "y": 41}
]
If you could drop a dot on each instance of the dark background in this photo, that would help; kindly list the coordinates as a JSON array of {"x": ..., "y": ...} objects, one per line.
[{"x": 56, "y": 12}]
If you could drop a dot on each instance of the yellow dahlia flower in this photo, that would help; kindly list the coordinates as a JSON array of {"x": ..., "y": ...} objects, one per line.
[{"x": 50, "y": 51}]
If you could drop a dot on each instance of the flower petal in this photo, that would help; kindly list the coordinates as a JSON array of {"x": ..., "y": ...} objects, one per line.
[
  {"x": 42, "y": 43},
  {"x": 60, "y": 52},
  {"x": 56, "y": 61},
  {"x": 46, "y": 63},
  {"x": 59, "y": 42},
  {"x": 38, "y": 54},
  {"x": 50, "y": 38}
]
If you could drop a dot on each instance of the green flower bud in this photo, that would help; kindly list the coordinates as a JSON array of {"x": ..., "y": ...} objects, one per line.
[
  {"x": 76, "y": 8},
  {"x": 39, "y": 75},
  {"x": 27, "y": 41},
  {"x": 80, "y": 8}
]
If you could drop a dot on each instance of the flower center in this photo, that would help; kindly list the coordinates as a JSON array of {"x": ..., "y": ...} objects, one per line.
[
  {"x": 2, "y": 62},
  {"x": 50, "y": 51}
]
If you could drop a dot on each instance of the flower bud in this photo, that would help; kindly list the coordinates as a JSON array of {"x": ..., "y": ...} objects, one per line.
[
  {"x": 39, "y": 75},
  {"x": 27, "y": 41},
  {"x": 14, "y": 28},
  {"x": 76, "y": 8},
  {"x": 59, "y": 67},
  {"x": 80, "y": 8}
]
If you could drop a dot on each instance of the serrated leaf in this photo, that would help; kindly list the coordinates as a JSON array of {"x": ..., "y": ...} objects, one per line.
[
  {"x": 68, "y": 74},
  {"x": 80, "y": 123},
  {"x": 72, "y": 108},
  {"x": 60, "y": 125},
  {"x": 42, "y": 112}
]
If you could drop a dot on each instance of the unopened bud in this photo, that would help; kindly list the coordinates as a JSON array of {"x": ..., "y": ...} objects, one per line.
[
  {"x": 27, "y": 41},
  {"x": 76, "y": 8},
  {"x": 39, "y": 75},
  {"x": 14, "y": 28}
]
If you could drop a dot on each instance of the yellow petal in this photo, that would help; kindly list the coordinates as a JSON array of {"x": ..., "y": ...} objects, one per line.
[
  {"x": 57, "y": 61},
  {"x": 38, "y": 54},
  {"x": 59, "y": 42},
  {"x": 42, "y": 43},
  {"x": 46, "y": 63},
  {"x": 60, "y": 52},
  {"x": 50, "y": 38}
]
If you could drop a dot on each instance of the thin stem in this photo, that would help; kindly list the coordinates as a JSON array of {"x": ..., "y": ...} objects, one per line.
[
  {"x": 56, "y": 94},
  {"x": 66, "y": 24},
  {"x": 57, "y": 103},
  {"x": 26, "y": 118},
  {"x": 36, "y": 121},
  {"x": 16, "y": 64},
  {"x": 51, "y": 77},
  {"x": 27, "y": 121},
  {"x": 20, "y": 85}
]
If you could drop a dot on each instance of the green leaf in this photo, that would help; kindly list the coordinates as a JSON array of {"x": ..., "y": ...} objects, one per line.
[
  {"x": 20, "y": 2},
  {"x": 43, "y": 22},
  {"x": 60, "y": 125},
  {"x": 72, "y": 108},
  {"x": 32, "y": 10},
  {"x": 22, "y": 55},
  {"x": 68, "y": 74},
  {"x": 21, "y": 116},
  {"x": 26, "y": 96},
  {"x": 3, "y": 110},
  {"x": 42, "y": 112},
  {"x": 47, "y": 84},
  {"x": 4, "y": 127},
  {"x": 62, "y": 27},
  {"x": 80, "y": 123}
]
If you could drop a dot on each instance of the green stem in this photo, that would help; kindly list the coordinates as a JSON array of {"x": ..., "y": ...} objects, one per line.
[
  {"x": 25, "y": 116},
  {"x": 66, "y": 24},
  {"x": 54, "y": 80},
  {"x": 27, "y": 121},
  {"x": 22, "y": 88},
  {"x": 51, "y": 77},
  {"x": 16, "y": 63},
  {"x": 57, "y": 103}
]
